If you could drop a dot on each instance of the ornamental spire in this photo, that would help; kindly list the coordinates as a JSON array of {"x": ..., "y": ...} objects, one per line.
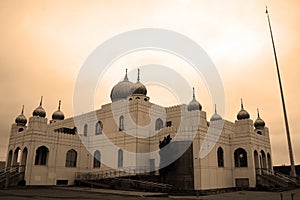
[
  {"x": 193, "y": 93},
  {"x": 22, "y": 112},
  {"x": 126, "y": 77},
  {"x": 41, "y": 102},
  {"x": 242, "y": 105},
  {"x": 138, "y": 76}
]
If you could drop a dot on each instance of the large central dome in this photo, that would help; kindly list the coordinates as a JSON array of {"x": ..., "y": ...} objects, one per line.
[
  {"x": 125, "y": 89},
  {"x": 122, "y": 90}
]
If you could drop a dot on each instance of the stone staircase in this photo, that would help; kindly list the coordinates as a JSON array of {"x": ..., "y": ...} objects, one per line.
[
  {"x": 12, "y": 176},
  {"x": 112, "y": 179},
  {"x": 276, "y": 182}
]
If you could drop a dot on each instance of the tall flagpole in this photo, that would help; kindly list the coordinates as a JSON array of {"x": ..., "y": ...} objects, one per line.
[{"x": 293, "y": 171}]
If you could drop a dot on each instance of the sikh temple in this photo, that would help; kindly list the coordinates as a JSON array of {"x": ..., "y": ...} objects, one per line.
[{"x": 115, "y": 141}]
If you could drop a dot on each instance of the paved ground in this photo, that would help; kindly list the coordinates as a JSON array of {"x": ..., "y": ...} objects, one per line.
[{"x": 103, "y": 194}]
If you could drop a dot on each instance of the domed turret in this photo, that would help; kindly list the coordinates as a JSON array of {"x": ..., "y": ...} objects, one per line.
[
  {"x": 194, "y": 104},
  {"x": 39, "y": 111},
  {"x": 215, "y": 116},
  {"x": 259, "y": 123},
  {"x": 121, "y": 90},
  {"x": 243, "y": 114},
  {"x": 21, "y": 119},
  {"x": 138, "y": 87},
  {"x": 58, "y": 115}
]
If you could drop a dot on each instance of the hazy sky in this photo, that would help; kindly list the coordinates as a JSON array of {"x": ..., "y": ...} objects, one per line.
[{"x": 44, "y": 44}]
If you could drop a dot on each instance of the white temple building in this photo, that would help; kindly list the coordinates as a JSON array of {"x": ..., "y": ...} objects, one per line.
[{"x": 117, "y": 138}]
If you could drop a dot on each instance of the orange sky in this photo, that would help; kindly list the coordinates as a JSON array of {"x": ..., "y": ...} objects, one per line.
[{"x": 44, "y": 43}]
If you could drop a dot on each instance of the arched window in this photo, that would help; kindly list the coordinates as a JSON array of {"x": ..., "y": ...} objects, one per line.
[
  {"x": 97, "y": 159},
  {"x": 85, "y": 130},
  {"x": 41, "y": 155},
  {"x": 269, "y": 161},
  {"x": 158, "y": 124},
  {"x": 24, "y": 156},
  {"x": 98, "y": 128},
  {"x": 9, "y": 158},
  {"x": 120, "y": 158},
  {"x": 121, "y": 123},
  {"x": 220, "y": 154},
  {"x": 240, "y": 158},
  {"x": 71, "y": 158}
]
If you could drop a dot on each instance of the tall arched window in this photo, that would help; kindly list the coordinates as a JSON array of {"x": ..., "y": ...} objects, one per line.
[
  {"x": 85, "y": 130},
  {"x": 240, "y": 158},
  {"x": 121, "y": 123},
  {"x": 120, "y": 158},
  {"x": 71, "y": 158},
  {"x": 158, "y": 124},
  {"x": 220, "y": 154},
  {"x": 97, "y": 159},
  {"x": 41, "y": 155},
  {"x": 98, "y": 128}
]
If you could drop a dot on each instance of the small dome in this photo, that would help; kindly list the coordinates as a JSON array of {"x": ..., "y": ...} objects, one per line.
[
  {"x": 215, "y": 116},
  {"x": 121, "y": 90},
  {"x": 259, "y": 123},
  {"x": 194, "y": 104},
  {"x": 58, "y": 115},
  {"x": 243, "y": 114},
  {"x": 21, "y": 119},
  {"x": 39, "y": 111},
  {"x": 138, "y": 87}
]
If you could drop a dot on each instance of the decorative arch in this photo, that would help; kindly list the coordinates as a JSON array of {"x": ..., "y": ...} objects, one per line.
[
  {"x": 220, "y": 157},
  {"x": 98, "y": 128},
  {"x": 41, "y": 155},
  {"x": 121, "y": 123},
  {"x": 240, "y": 158},
  {"x": 159, "y": 124},
  {"x": 120, "y": 158},
  {"x": 97, "y": 159},
  {"x": 71, "y": 158}
]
